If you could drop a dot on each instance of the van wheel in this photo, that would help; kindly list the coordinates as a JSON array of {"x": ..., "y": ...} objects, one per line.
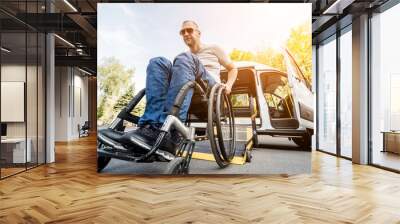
[{"x": 304, "y": 142}]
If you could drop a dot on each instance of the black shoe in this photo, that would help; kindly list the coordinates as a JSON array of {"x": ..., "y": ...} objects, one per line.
[
  {"x": 150, "y": 133},
  {"x": 172, "y": 141}
]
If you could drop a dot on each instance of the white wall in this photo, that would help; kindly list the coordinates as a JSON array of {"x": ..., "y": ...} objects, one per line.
[
  {"x": 61, "y": 103},
  {"x": 80, "y": 93},
  {"x": 14, "y": 72},
  {"x": 70, "y": 84}
]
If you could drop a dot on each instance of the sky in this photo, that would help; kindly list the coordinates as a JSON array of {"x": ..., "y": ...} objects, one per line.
[{"x": 134, "y": 33}]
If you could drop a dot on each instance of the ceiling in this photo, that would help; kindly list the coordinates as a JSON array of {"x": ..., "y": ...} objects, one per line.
[{"x": 75, "y": 22}]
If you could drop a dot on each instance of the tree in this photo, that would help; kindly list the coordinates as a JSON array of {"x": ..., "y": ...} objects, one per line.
[
  {"x": 239, "y": 55},
  {"x": 300, "y": 46},
  {"x": 272, "y": 58},
  {"x": 114, "y": 80},
  {"x": 269, "y": 57},
  {"x": 124, "y": 99},
  {"x": 140, "y": 107}
]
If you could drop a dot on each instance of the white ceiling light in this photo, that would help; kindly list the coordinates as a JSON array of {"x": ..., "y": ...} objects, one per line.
[
  {"x": 338, "y": 6},
  {"x": 70, "y": 5},
  {"x": 5, "y": 50},
  {"x": 86, "y": 72},
  {"x": 65, "y": 41},
  {"x": 79, "y": 51}
]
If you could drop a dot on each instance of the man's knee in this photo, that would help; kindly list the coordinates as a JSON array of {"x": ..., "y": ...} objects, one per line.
[{"x": 160, "y": 62}]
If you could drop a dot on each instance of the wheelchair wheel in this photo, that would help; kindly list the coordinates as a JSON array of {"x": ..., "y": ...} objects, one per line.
[
  {"x": 212, "y": 128},
  {"x": 176, "y": 166},
  {"x": 225, "y": 125},
  {"x": 102, "y": 161}
]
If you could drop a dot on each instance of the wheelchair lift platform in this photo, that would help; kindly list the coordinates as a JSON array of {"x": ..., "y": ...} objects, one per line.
[{"x": 244, "y": 145}]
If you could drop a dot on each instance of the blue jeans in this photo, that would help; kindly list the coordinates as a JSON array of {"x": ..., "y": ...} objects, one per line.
[{"x": 163, "y": 82}]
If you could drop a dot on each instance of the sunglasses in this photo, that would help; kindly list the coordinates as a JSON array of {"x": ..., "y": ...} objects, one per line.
[{"x": 188, "y": 30}]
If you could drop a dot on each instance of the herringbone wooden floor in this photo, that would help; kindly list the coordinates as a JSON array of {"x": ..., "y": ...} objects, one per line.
[{"x": 70, "y": 191}]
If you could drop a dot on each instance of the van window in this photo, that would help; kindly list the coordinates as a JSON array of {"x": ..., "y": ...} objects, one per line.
[
  {"x": 298, "y": 73},
  {"x": 240, "y": 100}
]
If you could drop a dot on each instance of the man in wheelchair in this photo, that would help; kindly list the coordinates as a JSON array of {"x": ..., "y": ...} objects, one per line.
[{"x": 165, "y": 79}]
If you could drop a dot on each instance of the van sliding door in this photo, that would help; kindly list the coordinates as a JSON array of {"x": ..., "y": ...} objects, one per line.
[{"x": 279, "y": 99}]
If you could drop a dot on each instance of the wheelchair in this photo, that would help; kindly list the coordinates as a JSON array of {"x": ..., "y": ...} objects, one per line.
[{"x": 208, "y": 105}]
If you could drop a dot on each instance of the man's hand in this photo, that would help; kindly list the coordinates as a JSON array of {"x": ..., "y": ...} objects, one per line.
[{"x": 228, "y": 88}]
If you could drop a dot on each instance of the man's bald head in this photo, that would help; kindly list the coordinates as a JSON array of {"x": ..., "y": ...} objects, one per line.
[{"x": 192, "y": 22}]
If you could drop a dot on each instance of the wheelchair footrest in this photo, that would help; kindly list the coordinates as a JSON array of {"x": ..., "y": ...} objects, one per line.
[{"x": 117, "y": 154}]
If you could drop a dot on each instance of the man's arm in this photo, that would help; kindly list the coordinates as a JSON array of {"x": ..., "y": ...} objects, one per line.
[
  {"x": 227, "y": 63},
  {"x": 232, "y": 75}
]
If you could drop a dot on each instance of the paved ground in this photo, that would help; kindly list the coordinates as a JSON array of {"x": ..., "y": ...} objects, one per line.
[{"x": 281, "y": 157}]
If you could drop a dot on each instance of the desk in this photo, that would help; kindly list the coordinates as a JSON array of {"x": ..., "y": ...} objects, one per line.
[
  {"x": 391, "y": 141},
  {"x": 13, "y": 150}
]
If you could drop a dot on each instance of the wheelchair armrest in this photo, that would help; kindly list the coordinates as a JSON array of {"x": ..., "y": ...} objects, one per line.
[{"x": 125, "y": 115}]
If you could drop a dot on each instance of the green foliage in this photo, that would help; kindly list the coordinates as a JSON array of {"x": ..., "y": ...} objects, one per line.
[
  {"x": 100, "y": 109},
  {"x": 271, "y": 58},
  {"x": 124, "y": 99},
  {"x": 268, "y": 57},
  {"x": 300, "y": 46},
  {"x": 115, "y": 88},
  {"x": 239, "y": 55},
  {"x": 140, "y": 107}
]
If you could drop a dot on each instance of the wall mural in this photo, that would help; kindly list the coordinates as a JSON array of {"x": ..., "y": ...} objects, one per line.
[{"x": 204, "y": 88}]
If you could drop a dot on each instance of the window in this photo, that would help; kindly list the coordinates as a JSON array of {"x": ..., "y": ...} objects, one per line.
[
  {"x": 23, "y": 76},
  {"x": 240, "y": 100},
  {"x": 327, "y": 95},
  {"x": 385, "y": 89},
  {"x": 346, "y": 93},
  {"x": 298, "y": 73}
]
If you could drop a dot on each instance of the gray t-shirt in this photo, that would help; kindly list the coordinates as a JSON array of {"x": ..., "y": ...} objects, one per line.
[{"x": 212, "y": 57}]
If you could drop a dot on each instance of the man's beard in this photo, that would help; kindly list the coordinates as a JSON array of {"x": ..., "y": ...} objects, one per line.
[{"x": 189, "y": 43}]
